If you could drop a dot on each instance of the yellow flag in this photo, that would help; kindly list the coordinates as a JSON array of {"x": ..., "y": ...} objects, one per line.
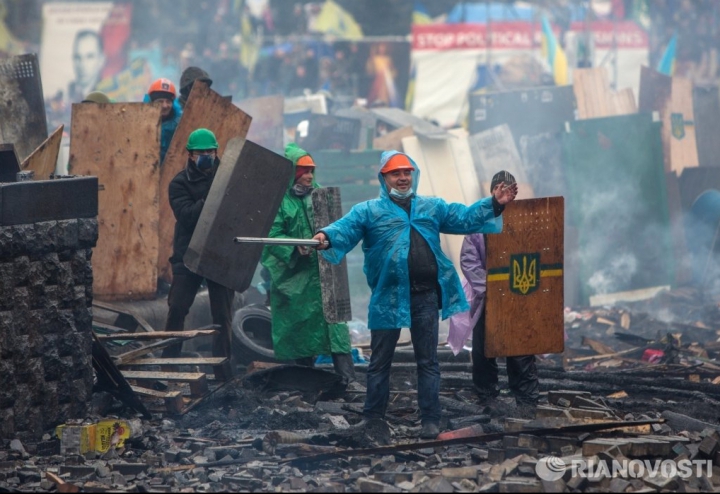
[{"x": 335, "y": 20}]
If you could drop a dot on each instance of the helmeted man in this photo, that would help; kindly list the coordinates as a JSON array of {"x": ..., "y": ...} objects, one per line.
[
  {"x": 163, "y": 90},
  {"x": 522, "y": 371},
  {"x": 299, "y": 329},
  {"x": 97, "y": 97},
  {"x": 410, "y": 277},
  {"x": 188, "y": 192}
]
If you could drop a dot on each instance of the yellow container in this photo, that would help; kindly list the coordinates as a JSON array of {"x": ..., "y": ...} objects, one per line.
[
  {"x": 76, "y": 438},
  {"x": 111, "y": 433}
]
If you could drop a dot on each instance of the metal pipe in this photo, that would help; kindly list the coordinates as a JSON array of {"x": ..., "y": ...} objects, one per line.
[{"x": 278, "y": 241}]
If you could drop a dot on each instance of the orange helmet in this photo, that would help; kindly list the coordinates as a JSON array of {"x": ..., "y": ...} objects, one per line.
[
  {"x": 162, "y": 86},
  {"x": 397, "y": 162},
  {"x": 306, "y": 161}
]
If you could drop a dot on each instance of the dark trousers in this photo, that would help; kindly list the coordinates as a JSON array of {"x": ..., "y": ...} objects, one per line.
[
  {"x": 424, "y": 333},
  {"x": 522, "y": 371},
  {"x": 183, "y": 289},
  {"x": 342, "y": 364}
]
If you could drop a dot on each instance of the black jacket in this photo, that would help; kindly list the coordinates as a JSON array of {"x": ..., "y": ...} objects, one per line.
[{"x": 187, "y": 191}]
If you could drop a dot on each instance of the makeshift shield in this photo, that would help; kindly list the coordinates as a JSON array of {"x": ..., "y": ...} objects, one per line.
[
  {"x": 243, "y": 201},
  {"x": 327, "y": 207},
  {"x": 524, "y": 311},
  {"x": 22, "y": 108}
]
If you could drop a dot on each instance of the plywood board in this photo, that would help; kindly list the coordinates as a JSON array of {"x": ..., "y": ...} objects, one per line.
[
  {"x": 706, "y": 103},
  {"x": 43, "y": 160},
  {"x": 204, "y": 109},
  {"x": 243, "y": 201},
  {"x": 525, "y": 267},
  {"x": 125, "y": 258},
  {"x": 22, "y": 107},
  {"x": 594, "y": 97},
  {"x": 267, "y": 121},
  {"x": 681, "y": 123},
  {"x": 392, "y": 141},
  {"x": 327, "y": 208},
  {"x": 494, "y": 150}
]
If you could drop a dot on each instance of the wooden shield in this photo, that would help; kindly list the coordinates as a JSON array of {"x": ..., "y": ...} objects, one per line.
[
  {"x": 120, "y": 145},
  {"x": 327, "y": 207},
  {"x": 243, "y": 201},
  {"x": 204, "y": 109},
  {"x": 525, "y": 280}
]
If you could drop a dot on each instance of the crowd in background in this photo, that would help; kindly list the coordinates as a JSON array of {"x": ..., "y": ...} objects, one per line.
[{"x": 260, "y": 47}]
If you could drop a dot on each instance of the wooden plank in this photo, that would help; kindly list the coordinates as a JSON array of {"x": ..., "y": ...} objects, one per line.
[
  {"x": 204, "y": 109},
  {"x": 267, "y": 121},
  {"x": 392, "y": 141},
  {"x": 163, "y": 376},
  {"x": 155, "y": 393},
  {"x": 706, "y": 105},
  {"x": 125, "y": 258},
  {"x": 178, "y": 361},
  {"x": 173, "y": 400},
  {"x": 623, "y": 102},
  {"x": 243, "y": 201},
  {"x": 156, "y": 335},
  {"x": 593, "y": 95},
  {"x": 525, "y": 267},
  {"x": 43, "y": 160},
  {"x": 683, "y": 144},
  {"x": 138, "y": 352}
]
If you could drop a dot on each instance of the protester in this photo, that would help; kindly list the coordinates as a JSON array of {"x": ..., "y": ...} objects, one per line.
[
  {"x": 299, "y": 329},
  {"x": 522, "y": 371},
  {"x": 188, "y": 192},
  {"x": 163, "y": 90},
  {"x": 409, "y": 275},
  {"x": 188, "y": 78},
  {"x": 97, "y": 97}
]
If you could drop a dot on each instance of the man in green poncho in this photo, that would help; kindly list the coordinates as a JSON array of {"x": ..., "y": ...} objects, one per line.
[{"x": 299, "y": 329}]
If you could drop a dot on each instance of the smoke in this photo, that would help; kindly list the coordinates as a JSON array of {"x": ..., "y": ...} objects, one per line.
[{"x": 618, "y": 273}]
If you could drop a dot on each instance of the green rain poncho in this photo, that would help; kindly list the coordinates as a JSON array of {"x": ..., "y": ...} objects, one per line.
[{"x": 299, "y": 328}]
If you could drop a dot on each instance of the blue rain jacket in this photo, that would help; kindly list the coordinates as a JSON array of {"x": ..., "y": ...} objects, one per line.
[
  {"x": 384, "y": 228},
  {"x": 168, "y": 127}
]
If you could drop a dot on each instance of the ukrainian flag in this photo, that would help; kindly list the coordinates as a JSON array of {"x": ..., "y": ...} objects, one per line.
[
  {"x": 554, "y": 54},
  {"x": 410, "y": 94},
  {"x": 336, "y": 21},
  {"x": 667, "y": 62},
  {"x": 420, "y": 14}
]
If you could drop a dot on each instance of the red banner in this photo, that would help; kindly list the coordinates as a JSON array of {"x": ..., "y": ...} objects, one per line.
[{"x": 520, "y": 35}]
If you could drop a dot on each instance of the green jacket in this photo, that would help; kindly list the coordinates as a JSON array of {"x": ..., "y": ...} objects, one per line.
[{"x": 299, "y": 328}]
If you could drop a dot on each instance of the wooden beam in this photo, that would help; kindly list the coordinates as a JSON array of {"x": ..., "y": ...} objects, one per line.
[
  {"x": 197, "y": 380},
  {"x": 43, "y": 160},
  {"x": 177, "y": 361},
  {"x": 156, "y": 335}
]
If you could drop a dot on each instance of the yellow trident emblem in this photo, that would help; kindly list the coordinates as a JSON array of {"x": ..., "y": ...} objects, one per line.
[{"x": 525, "y": 269}]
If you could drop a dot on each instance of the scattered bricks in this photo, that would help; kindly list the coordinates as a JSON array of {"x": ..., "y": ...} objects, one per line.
[
  {"x": 534, "y": 442},
  {"x": 130, "y": 468},
  {"x": 466, "y": 485},
  {"x": 681, "y": 450},
  {"x": 563, "y": 402},
  {"x": 618, "y": 485},
  {"x": 460, "y": 473},
  {"x": 553, "y": 485},
  {"x": 660, "y": 482},
  {"x": 567, "y": 450},
  {"x": 555, "y": 396},
  {"x": 438, "y": 484},
  {"x": 510, "y": 465},
  {"x": 490, "y": 487},
  {"x": 367, "y": 485},
  {"x": 641, "y": 447},
  {"x": 77, "y": 471},
  {"x": 708, "y": 446},
  {"x": 405, "y": 486},
  {"x": 514, "y": 452},
  {"x": 393, "y": 477},
  {"x": 496, "y": 473},
  {"x": 595, "y": 446},
  {"x": 580, "y": 413},
  {"x": 479, "y": 455},
  {"x": 577, "y": 483},
  {"x": 520, "y": 486},
  {"x": 510, "y": 441},
  {"x": 496, "y": 455},
  {"x": 556, "y": 443},
  {"x": 514, "y": 425}
]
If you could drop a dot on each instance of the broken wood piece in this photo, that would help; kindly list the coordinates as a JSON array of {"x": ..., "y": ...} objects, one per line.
[
  {"x": 173, "y": 399},
  {"x": 598, "y": 347},
  {"x": 62, "y": 486},
  {"x": 196, "y": 380},
  {"x": 156, "y": 335},
  {"x": 42, "y": 161},
  {"x": 596, "y": 357},
  {"x": 619, "y": 395},
  {"x": 480, "y": 438},
  {"x": 178, "y": 361}
]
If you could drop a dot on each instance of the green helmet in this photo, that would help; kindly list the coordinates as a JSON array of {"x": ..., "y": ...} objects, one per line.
[{"x": 201, "y": 139}]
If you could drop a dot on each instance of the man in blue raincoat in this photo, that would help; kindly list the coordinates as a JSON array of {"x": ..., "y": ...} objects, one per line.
[
  {"x": 163, "y": 91},
  {"x": 410, "y": 277}
]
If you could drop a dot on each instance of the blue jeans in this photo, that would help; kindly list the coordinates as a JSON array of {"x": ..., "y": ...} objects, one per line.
[{"x": 424, "y": 333}]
